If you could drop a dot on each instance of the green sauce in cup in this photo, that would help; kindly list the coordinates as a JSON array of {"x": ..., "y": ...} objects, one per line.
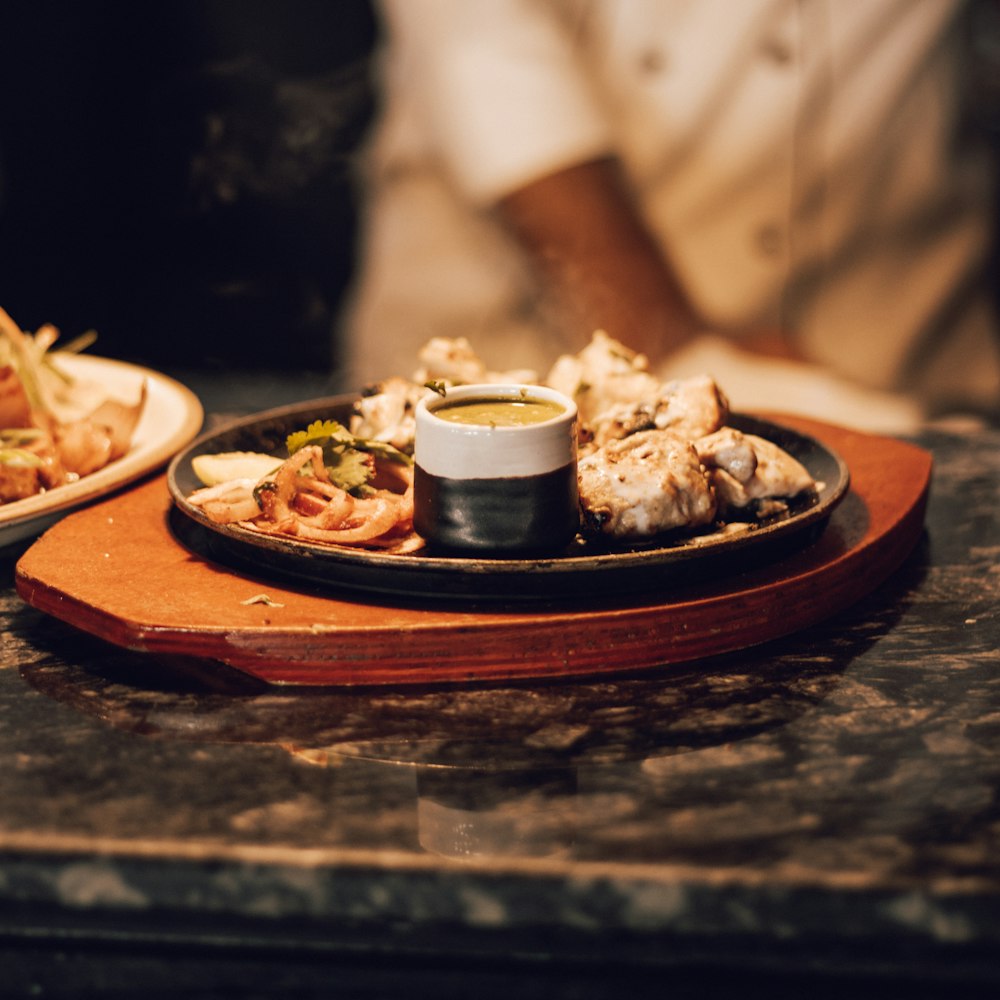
[
  {"x": 494, "y": 471},
  {"x": 499, "y": 411}
]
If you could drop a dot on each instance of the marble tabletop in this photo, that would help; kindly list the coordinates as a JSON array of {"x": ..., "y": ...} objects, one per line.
[{"x": 823, "y": 809}]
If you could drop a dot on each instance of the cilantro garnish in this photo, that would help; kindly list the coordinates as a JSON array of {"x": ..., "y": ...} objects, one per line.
[{"x": 349, "y": 460}]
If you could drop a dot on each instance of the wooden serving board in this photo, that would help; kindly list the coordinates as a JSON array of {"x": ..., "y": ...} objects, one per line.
[{"x": 117, "y": 571}]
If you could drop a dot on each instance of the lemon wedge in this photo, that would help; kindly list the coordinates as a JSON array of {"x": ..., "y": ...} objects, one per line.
[{"x": 227, "y": 465}]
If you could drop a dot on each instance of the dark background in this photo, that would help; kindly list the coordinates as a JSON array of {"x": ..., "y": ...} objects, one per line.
[{"x": 177, "y": 176}]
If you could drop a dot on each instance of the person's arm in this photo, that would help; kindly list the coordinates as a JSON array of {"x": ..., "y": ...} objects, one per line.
[{"x": 598, "y": 265}]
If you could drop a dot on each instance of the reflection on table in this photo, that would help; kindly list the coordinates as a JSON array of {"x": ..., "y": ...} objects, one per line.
[{"x": 815, "y": 813}]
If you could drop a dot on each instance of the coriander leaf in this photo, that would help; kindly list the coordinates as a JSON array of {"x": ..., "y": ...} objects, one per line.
[
  {"x": 349, "y": 460},
  {"x": 382, "y": 449},
  {"x": 350, "y": 469},
  {"x": 321, "y": 432}
]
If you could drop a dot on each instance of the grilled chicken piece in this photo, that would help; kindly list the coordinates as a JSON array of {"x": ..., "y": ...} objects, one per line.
[
  {"x": 386, "y": 412},
  {"x": 604, "y": 374},
  {"x": 728, "y": 450},
  {"x": 691, "y": 407},
  {"x": 642, "y": 485},
  {"x": 744, "y": 468},
  {"x": 452, "y": 360},
  {"x": 616, "y": 423}
]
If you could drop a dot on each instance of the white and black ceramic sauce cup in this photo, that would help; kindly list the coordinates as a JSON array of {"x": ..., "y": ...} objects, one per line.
[{"x": 495, "y": 470}]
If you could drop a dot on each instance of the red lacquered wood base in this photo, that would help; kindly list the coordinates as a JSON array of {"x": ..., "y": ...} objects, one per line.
[{"x": 115, "y": 570}]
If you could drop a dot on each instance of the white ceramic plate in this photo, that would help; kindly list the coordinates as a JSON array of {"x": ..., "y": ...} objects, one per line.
[{"x": 171, "y": 417}]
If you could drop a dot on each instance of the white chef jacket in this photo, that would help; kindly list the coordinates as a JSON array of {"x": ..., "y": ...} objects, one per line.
[{"x": 800, "y": 160}]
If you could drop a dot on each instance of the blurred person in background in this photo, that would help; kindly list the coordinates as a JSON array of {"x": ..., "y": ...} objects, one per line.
[{"x": 784, "y": 193}]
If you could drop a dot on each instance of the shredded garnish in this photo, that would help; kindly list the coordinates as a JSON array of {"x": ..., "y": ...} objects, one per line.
[{"x": 53, "y": 429}]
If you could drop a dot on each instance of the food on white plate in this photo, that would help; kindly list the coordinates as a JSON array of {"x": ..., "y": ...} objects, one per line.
[
  {"x": 54, "y": 429},
  {"x": 655, "y": 456}
]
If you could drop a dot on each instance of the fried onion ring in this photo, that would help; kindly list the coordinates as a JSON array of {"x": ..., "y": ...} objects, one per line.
[{"x": 298, "y": 500}]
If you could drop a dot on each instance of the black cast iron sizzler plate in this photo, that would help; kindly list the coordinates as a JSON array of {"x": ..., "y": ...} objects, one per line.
[{"x": 581, "y": 570}]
